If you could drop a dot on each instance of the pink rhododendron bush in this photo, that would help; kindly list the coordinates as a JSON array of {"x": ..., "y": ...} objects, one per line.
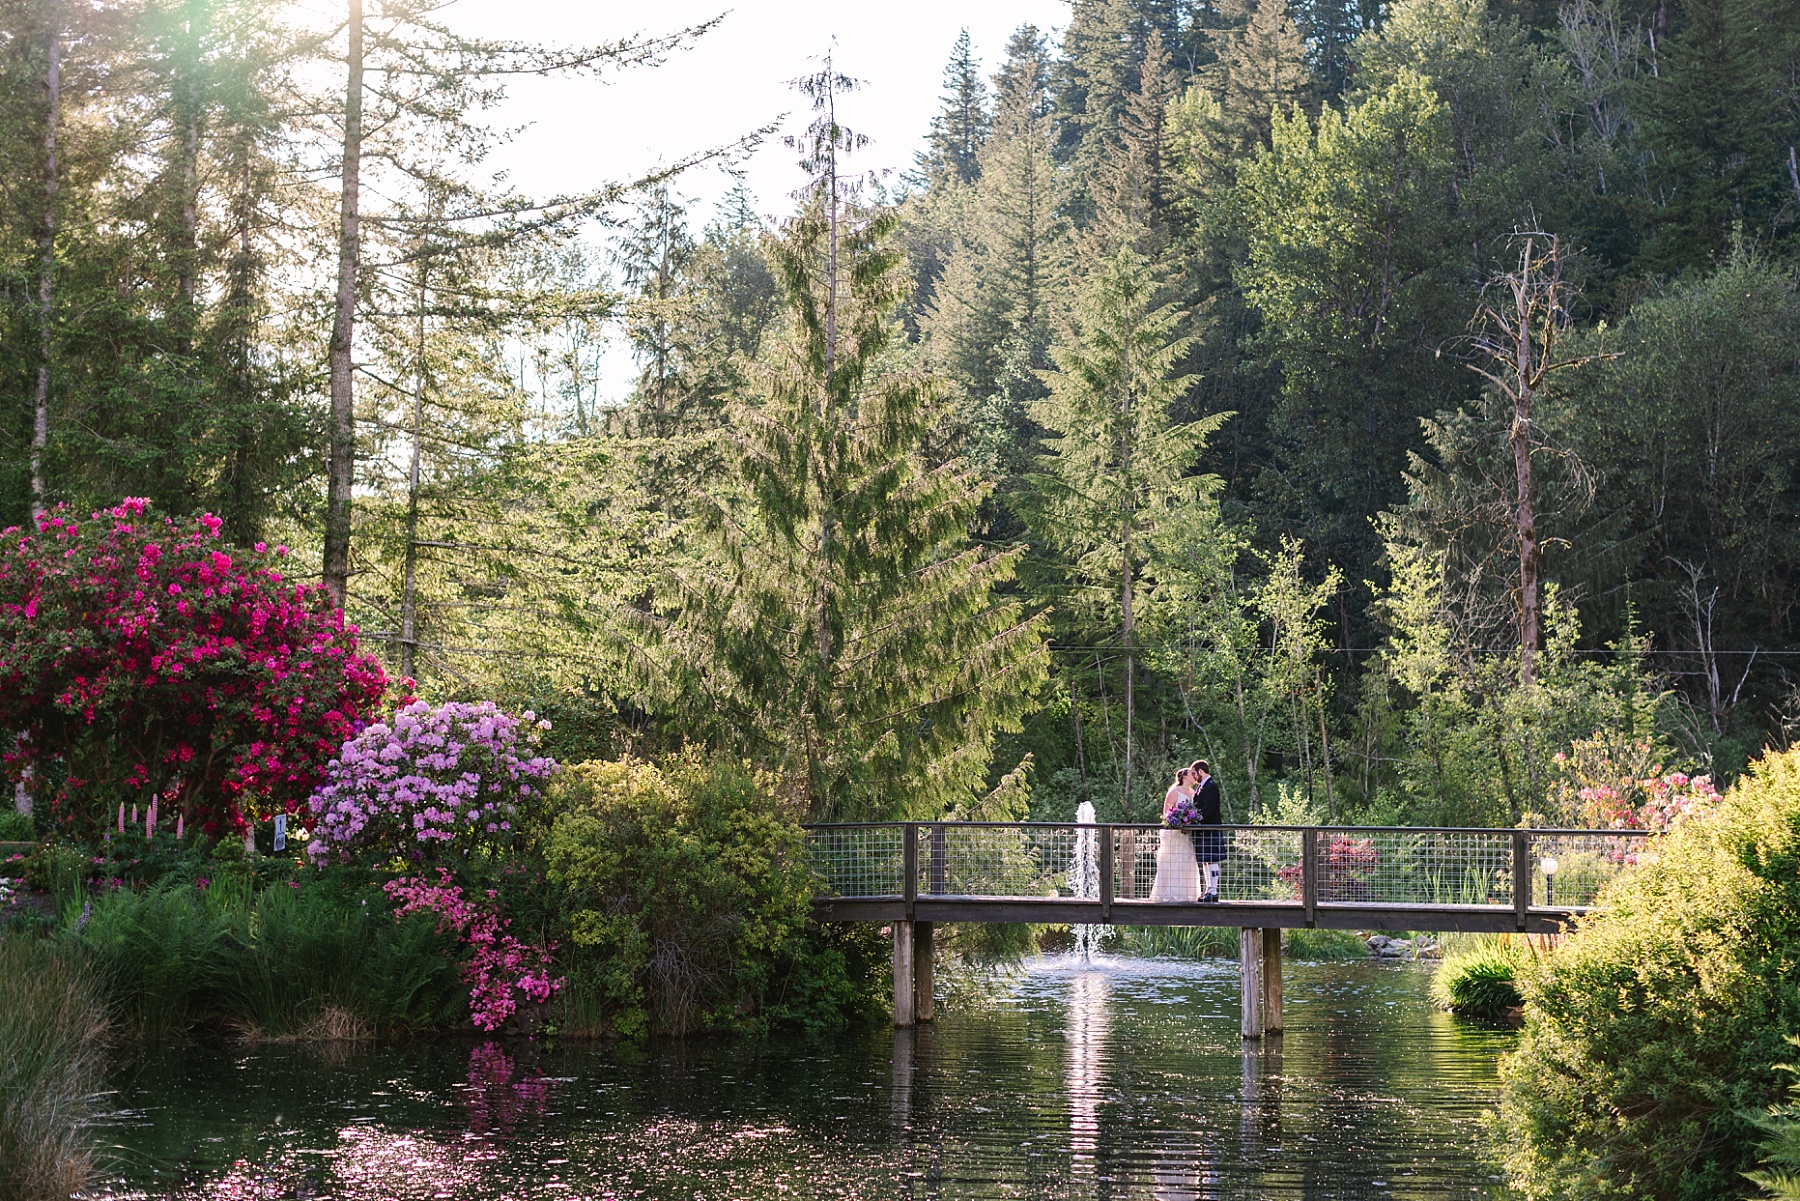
[
  {"x": 500, "y": 971},
  {"x": 142, "y": 658},
  {"x": 1626, "y": 785},
  {"x": 433, "y": 783}
]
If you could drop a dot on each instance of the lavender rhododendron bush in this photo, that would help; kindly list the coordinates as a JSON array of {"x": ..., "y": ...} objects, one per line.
[
  {"x": 142, "y": 658},
  {"x": 433, "y": 782}
]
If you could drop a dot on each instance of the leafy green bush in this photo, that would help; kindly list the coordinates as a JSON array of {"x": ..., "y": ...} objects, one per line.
[
  {"x": 16, "y": 826},
  {"x": 689, "y": 899},
  {"x": 1482, "y": 980},
  {"x": 1660, "y": 1022},
  {"x": 52, "y": 1030}
]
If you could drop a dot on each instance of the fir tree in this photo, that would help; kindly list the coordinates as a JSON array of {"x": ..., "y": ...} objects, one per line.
[
  {"x": 961, "y": 126},
  {"x": 1260, "y": 69},
  {"x": 840, "y": 626},
  {"x": 1116, "y": 465}
]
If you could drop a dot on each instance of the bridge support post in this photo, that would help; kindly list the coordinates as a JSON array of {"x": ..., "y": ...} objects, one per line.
[
  {"x": 924, "y": 951},
  {"x": 1271, "y": 981},
  {"x": 904, "y": 984},
  {"x": 1250, "y": 959}
]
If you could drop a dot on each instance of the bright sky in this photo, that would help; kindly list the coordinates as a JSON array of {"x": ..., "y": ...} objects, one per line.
[{"x": 732, "y": 81}]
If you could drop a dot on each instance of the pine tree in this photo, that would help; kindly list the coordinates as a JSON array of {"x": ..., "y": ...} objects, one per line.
[
  {"x": 961, "y": 125},
  {"x": 840, "y": 625}
]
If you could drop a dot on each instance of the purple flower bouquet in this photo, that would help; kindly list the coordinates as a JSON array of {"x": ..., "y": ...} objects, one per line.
[{"x": 1182, "y": 813}]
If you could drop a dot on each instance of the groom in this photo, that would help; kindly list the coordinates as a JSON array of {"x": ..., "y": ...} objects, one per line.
[{"x": 1209, "y": 845}]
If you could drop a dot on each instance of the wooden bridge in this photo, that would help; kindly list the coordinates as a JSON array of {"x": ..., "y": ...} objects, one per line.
[{"x": 912, "y": 875}]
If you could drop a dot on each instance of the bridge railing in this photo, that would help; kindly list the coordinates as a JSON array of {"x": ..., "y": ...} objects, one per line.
[{"x": 1300, "y": 865}]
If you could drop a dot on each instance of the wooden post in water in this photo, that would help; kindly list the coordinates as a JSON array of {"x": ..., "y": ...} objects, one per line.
[
  {"x": 903, "y": 973},
  {"x": 923, "y": 952},
  {"x": 1250, "y": 945},
  {"x": 1271, "y": 981}
]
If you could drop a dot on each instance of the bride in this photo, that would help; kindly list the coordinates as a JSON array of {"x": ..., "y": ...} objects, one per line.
[{"x": 1177, "y": 873}]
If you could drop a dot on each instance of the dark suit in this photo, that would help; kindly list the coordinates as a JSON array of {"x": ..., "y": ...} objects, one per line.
[{"x": 1209, "y": 845}]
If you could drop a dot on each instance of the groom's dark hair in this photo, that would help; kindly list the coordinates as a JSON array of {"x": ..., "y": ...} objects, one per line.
[{"x": 1200, "y": 765}]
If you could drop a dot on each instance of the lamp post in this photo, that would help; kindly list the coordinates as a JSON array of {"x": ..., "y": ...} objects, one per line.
[{"x": 1549, "y": 866}]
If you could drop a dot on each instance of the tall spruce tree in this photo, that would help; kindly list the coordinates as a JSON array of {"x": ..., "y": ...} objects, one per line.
[
  {"x": 839, "y": 624},
  {"x": 953, "y": 150},
  {"x": 1116, "y": 466}
]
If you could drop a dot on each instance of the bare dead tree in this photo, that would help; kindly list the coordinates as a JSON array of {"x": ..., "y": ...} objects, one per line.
[{"x": 1518, "y": 337}]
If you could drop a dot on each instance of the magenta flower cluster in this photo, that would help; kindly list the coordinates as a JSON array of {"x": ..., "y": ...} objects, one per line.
[
  {"x": 145, "y": 659},
  {"x": 500, "y": 969},
  {"x": 435, "y": 779}
]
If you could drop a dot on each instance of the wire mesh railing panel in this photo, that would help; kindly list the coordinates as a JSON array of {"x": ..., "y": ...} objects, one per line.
[
  {"x": 1362, "y": 866},
  {"x": 858, "y": 861},
  {"x": 1134, "y": 861},
  {"x": 998, "y": 860},
  {"x": 1414, "y": 867},
  {"x": 1569, "y": 868},
  {"x": 1261, "y": 864}
]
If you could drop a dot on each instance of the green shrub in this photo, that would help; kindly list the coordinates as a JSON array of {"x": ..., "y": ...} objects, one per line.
[
  {"x": 16, "y": 826},
  {"x": 52, "y": 1030},
  {"x": 58, "y": 869},
  {"x": 302, "y": 954},
  {"x": 1779, "y": 1150},
  {"x": 1660, "y": 1022},
  {"x": 1482, "y": 980},
  {"x": 689, "y": 899}
]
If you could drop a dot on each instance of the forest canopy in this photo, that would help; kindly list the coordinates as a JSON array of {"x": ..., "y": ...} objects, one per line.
[{"x": 1394, "y": 403}]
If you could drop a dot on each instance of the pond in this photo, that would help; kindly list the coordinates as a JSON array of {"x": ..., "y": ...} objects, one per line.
[{"x": 1121, "y": 1079}]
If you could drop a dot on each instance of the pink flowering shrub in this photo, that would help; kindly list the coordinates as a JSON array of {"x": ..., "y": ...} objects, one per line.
[
  {"x": 501, "y": 969},
  {"x": 432, "y": 783},
  {"x": 143, "y": 658},
  {"x": 1626, "y": 787}
]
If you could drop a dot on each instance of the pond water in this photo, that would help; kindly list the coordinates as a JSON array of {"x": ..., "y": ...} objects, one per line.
[{"x": 1121, "y": 1079}]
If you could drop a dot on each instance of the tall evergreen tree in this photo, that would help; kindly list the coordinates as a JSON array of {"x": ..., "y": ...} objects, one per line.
[
  {"x": 953, "y": 150},
  {"x": 839, "y": 624},
  {"x": 1116, "y": 466}
]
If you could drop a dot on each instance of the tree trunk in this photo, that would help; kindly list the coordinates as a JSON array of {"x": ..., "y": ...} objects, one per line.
[
  {"x": 1529, "y": 618},
  {"x": 1080, "y": 745},
  {"x": 1130, "y": 672},
  {"x": 188, "y": 112},
  {"x": 40, "y": 426},
  {"x": 409, "y": 589},
  {"x": 340, "y": 468}
]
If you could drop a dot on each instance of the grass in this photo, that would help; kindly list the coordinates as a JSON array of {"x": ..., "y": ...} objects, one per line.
[
  {"x": 1479, "y": 978},
  {"x": 1202, "y": 942},
  {"x": 52, "y": 1047}
]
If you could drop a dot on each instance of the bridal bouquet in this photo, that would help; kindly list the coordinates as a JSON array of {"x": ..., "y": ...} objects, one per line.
[{"x": 1182, "y": 813}]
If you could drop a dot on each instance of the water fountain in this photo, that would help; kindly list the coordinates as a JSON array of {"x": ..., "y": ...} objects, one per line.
[{"x": 1084, "y": 878}]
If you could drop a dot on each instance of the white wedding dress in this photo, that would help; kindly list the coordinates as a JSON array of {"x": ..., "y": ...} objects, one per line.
[{"x": 1177, "y": 872}]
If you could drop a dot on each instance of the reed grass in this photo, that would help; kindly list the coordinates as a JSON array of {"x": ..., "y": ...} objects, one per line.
[
  {"x": 1479, "y": 978},
  {"x": 52, "y": 1048},
  {"x": 1203, "y": 942}
]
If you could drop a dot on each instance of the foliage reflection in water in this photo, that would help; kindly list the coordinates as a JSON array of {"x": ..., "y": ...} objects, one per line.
[{"x": 1119, "y": 1078}]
